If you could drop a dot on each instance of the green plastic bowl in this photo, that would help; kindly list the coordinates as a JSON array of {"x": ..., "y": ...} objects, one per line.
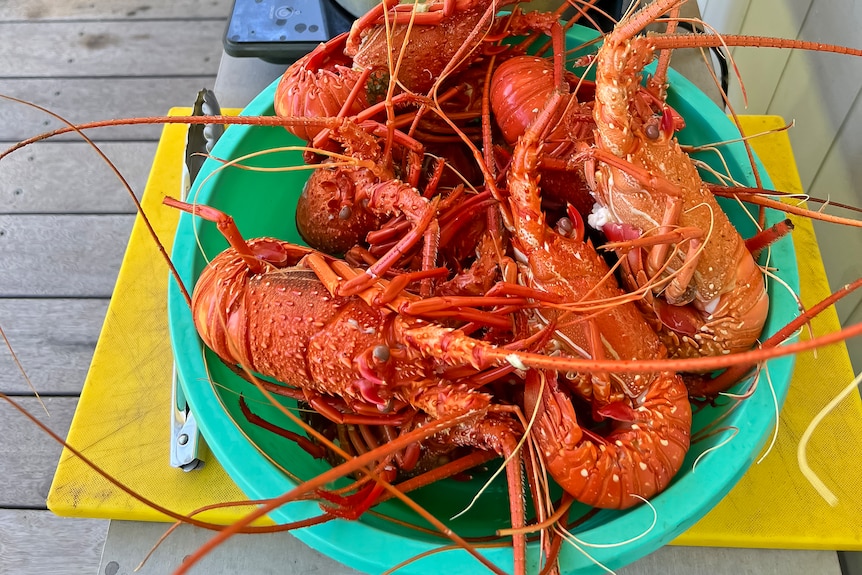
[{"x": 262, "y": 204}]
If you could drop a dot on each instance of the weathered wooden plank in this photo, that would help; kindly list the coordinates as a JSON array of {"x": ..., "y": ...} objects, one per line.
[
  {"x": 53, "y": 339},
  {"x": 29, "y": 179},
  {"x": 85, "y": 100},
  {"x": 673, "y": 560},
  {"x": 62, "y": 255},
  {"x": 113, "y": 9},
  {"x": 129, "y": 541},
  {"x": 29, "y": 456},
  {"x": 40, "y": 542},
  {"x": 96, "y": 48}
]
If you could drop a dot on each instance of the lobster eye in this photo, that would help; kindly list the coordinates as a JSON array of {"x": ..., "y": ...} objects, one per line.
[
  {"x": 381, "y": 353},
  {"x": 345, "y": 213},
  {"x": 652, "y": 132},
  {"x": 565, "y": 227}
]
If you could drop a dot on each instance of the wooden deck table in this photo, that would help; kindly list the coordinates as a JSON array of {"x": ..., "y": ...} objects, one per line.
[{"x": 128, "y": 541}]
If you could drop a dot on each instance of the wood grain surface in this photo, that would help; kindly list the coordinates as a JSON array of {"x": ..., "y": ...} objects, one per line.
[
  {"x": 65, "y": 219},
  {"x": 109, "y": 48},
  {"x": 40, "y": 542},
  {"x": 47, "y": 10},
  {"x": 94, "y": 99},
  {"x": 34, "y": 462},
  {"x": 88, "y": 186},
  {"x": 54, "y": 339}
]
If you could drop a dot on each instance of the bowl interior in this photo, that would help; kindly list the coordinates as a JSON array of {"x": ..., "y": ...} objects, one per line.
[{"x": 264, "y": 464}]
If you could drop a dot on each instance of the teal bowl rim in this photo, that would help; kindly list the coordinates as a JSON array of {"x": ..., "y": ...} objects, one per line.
[{"x": 365, "y": 548}]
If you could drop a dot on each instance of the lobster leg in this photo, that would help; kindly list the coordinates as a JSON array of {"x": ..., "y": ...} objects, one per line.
[
  {"x": 331, "y": 412},
  {"x": 501, "y": 436},
  {"x": 412, "y": 204},
  {"x": 313, "y": 449},
  {"x": 677, "y": 292}
]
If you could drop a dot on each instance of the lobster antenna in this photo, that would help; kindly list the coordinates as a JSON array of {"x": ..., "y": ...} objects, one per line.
[
  {"x": 734, "y": 431},
  {"x": 301, "y": 524},
  {"x": 799, "y": 305},
  {"x": 776, "y": 413},
  {"x": 23, "y": 371},
  {"x": 556, "y": 516},
  {"x": 712, "y": 429},
  {"x": 718, "y": 84},
  {"x": 630, "y": 539},
  {"x": 503, "y": 465},
  {"x": 349, "y": 466},
  {"x": 393, "y": 75},
  {"x": 754, "y": 196},
  {"x": 726, "y": 99},
  {"x": 723, "y": 178},
  {"x": 574, "y": 542},
  {"x": 468, "y": 46},
  {"x": 691, "y": 149},
  {"x": 801, "y": 455},
  {"x": 743, "y": 139},
  {"x": 431, "y": 552},
  {"x": 582, "y": 5},
  {"x": 659, "y": 79},
  {"x": 231, "y": 120}
]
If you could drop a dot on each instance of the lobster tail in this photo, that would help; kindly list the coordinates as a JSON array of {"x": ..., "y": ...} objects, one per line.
[{"x": 638, "y": 457}]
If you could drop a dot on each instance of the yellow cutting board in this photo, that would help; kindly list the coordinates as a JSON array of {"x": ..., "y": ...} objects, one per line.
[{"x": 122, "y": 420}]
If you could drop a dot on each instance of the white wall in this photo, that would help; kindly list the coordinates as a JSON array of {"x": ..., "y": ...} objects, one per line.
[{"x": 819, "y": 91}]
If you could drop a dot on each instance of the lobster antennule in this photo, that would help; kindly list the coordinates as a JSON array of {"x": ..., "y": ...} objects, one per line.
[
  {"x": 762, "y": 240},
  {"x": 255, "y": 255},
  {"x": 721, "y": 40},
  {"x": 226, "y": 226}
]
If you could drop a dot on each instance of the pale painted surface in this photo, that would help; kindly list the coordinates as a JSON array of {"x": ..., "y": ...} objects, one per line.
[{"x": 821, "y": 93}]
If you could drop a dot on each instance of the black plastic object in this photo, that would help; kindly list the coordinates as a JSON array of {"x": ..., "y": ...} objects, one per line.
[
  {"x": 282, "y": 31},
  {"x": 614, "y": 10}
]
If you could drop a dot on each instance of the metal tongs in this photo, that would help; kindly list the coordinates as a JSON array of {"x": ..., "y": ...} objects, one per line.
[{"x": 185, "y": 437}]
